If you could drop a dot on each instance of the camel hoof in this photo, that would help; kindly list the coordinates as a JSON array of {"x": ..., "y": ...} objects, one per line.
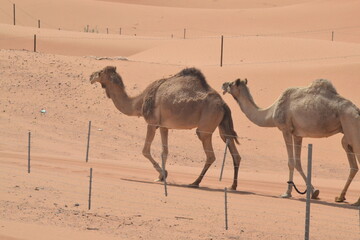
[
  {"x": 161, "y": 177},
  {"x": 315, "y": 194},
  {"x": 357, "y": 204},
  {"x": 286, "y": 195},
  {"x": 340, "y": 199}
]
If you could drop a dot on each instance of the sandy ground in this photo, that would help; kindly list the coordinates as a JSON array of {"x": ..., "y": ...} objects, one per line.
[{"x": 274, "y": 44}]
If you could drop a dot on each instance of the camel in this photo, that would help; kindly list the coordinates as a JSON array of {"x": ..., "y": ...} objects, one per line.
[
  {"x": 315, "y": 111},
  {"x": 182, "y": 101}
]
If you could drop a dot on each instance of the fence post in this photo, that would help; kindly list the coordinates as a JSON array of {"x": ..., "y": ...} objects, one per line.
[
  {"x": 120, "y": 31},
  {"x": 308, "y": 193},
  {"x": 184, "y": 33},
  {"x": 88, "y": 143},
  {"x": 29, "y": 152},
  {"x": 222, "y": 50},
  {"x": 222, "y": 167},
  {"x": 164, "y": 175},
  {"x": 34, "y": 42},
  {"x": 39, "y": 23},
  {"x": 90, "y": 186},
  {"x": 332, "y": 36},
  {"x": 226, "y": 212},
  {"x": 14, "y": 13}
]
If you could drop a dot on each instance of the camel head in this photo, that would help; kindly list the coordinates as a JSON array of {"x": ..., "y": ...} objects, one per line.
[
  {"x": 107, "y": 77},
  {"x": 234, "y": 87}
]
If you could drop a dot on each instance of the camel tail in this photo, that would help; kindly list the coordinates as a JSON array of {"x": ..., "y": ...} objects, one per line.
[{"x": 227, "y": 126}]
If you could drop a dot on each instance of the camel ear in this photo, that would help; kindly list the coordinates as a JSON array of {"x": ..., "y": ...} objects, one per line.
[
  {"x": 237, "y": 82},
  {"x": 245, "y": 81}
]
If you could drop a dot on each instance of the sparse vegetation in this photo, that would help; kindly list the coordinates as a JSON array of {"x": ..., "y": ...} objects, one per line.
[{"x": 87, "y": 28}]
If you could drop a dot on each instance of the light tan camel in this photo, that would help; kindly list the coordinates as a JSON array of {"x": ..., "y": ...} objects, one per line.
[
  {"x": 183, "y": 101},
  {"x": 315, "y": 111}
]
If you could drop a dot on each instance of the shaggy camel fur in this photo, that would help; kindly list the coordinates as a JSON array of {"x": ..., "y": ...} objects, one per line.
[
  {"x": 183, "y": 101},
  {"x": 315, "y": 111}
]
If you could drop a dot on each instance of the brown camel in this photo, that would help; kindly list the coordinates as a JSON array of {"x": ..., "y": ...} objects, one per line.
[
  {"x": 183, "y": 101},
  {"x": 315, "y": 111}
]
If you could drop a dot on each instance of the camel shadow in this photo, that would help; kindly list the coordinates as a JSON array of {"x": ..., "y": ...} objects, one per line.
[
  {"x": 190, "y": 187},
  {"x": 344, "y": 205}
]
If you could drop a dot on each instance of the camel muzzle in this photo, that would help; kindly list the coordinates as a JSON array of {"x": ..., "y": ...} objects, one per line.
[
  {"x": 94, "y": 77},
  {"x": 226, "y": 88}
]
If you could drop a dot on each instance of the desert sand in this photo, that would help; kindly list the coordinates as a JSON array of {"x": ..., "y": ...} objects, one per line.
[{"x": 275, "y": 44}]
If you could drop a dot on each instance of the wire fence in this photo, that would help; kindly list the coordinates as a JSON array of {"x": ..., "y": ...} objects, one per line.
[
  {"x": 181, "y": 33},
  {"x": 67, "y": 182},
  {"x": 10, "y": 10},
  {"x": 34, "y": 42},
  {"x": 110, "y": 197}
]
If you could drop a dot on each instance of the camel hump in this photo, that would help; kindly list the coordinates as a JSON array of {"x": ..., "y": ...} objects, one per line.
[
  {"x": 193, "y": 72},
  {"x": 149, "y": 98},
  {"x": 322, "y": 86}
]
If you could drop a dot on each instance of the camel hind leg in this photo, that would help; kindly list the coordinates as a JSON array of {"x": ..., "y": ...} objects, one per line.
[
  {"x": 234, "y": 154},
  {"x": 165, "y": 149},
  {"x": 353, "y": 169},
  {"x": 206, "y": 139}
]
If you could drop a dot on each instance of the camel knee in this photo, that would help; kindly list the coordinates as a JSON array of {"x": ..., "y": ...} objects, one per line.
[
  {"x": 146, "y": 153},
  {"x": 291, "y": 165}
]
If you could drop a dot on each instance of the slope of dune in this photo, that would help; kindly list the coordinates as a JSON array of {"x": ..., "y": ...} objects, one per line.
[{"x": 310, "y": 19}]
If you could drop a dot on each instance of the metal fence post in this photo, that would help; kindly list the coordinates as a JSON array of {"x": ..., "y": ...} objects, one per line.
[
  {"x": 226, "y": 212},
  {"x": 14, "y": 18},
  {"x": 308, "y": 193},
  {"x": 88, "y": 143},
  {"x": 29, "y": 152},
  {"x": 90, "y": 186},
  {"x": 222, "y": 51}
]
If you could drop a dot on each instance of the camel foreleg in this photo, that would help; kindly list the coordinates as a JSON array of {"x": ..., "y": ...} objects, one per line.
[
  {"x": 297, "y": 146},
  {"x": 289, "y": 147},
  {"x": 150, "y": 134}
]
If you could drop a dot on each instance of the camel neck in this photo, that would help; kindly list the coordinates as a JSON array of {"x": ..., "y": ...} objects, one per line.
[
  {"x": 130, "y": 106},
  {"x": 259, "y": 116}
]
